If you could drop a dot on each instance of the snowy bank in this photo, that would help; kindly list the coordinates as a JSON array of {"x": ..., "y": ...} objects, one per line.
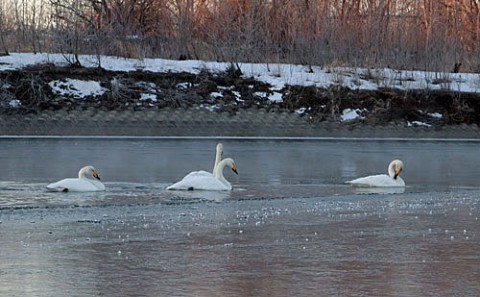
[
  {"x": 277, "y": 75},
  {"x": 36, "y": 85}
]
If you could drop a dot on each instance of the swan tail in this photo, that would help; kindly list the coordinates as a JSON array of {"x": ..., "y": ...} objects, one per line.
[{"x": 57, "y": 189}]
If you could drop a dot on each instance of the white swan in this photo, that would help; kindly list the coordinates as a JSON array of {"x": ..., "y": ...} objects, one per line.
[
  {"x": 218, "y": 156},
  {"x": 87, "y": 181},
  {"x": 382, "y": 180},
  {"x": 202, "y": 180}
]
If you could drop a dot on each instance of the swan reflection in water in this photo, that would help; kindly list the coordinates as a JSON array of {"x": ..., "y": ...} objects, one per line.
[{"x": 378, "y": 190}]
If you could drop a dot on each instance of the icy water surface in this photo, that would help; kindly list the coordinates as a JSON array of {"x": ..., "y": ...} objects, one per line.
[
  {"x": 138, "y": 171},
  {"x": 290, "y": 227}
]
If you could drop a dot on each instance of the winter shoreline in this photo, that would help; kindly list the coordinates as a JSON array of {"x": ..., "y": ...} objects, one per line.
[
  {"x": 51, "y": 100},
  {"x": 202, "y": 123}
]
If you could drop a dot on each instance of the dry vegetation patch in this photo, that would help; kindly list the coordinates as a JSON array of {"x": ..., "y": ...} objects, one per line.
[{"x": 30, "y": 91}]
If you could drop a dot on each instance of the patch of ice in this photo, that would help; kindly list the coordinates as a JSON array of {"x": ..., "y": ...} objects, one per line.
[
  {"x": 260, "y": 94},
  {"x": 349, "y": 114},
  {"x": 276, "y": 97},
  {"x": 226, "y": 88},
  {"x": 184, "y": 85},
  {"x": 301, "y": 110},
  {"x": 436, "y": 115},
  {"x": 238, "y": 96},
  {"x": 15, "y": 103},
  {"x": 216, "y": 94},
  {"x": 417, "y": 124},
  {"x": 151, "y": 97},
  {"x": 211, "y": 108},
  {"x": 77, "y": 88}
]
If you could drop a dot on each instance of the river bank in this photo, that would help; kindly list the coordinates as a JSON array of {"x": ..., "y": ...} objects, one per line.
[
  {"x": 52, "y": 100},
  {"x": 198, "y": 122}
]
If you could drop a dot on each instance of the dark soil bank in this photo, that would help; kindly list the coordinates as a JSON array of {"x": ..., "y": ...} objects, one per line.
[{"x": 223, "y": 104}]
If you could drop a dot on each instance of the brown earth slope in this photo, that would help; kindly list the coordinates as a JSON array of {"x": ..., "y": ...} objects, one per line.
[{"x": 223, "y": 104}]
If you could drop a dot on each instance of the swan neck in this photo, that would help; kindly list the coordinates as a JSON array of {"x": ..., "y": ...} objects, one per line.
[
  {"x": 218, "y": 172},
  {"x": 83, "y": 174},
  {"x": 218, "y": 158},
  {"x": 391, "y": 171}
]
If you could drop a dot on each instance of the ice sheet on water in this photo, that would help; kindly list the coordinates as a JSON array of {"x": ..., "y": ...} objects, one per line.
[{"x": 237, "y": 240}]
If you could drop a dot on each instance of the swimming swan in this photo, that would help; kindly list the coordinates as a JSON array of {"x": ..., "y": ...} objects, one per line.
[
  {"x": 382, "y": 180},
  {"x": 218, "y": 156},
  {"x": 87, "y": 181},
  {"x": 202, "y": 180}
]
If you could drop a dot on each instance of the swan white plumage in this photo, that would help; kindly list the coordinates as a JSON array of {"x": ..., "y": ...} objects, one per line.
[
  {"x": 382, "y": 180},
  {"x": 202, "y": 180},
  {"x": 87, "y": 181},
  {"x": 218, "y": 156}
]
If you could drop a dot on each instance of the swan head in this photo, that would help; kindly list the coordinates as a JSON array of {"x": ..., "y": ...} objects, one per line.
[
  {"x": 394, "y": 168},
  {"x": 88, "y": 172},
  {"x": 231, "y": 164},
  {"x": 220, "y": 149}
]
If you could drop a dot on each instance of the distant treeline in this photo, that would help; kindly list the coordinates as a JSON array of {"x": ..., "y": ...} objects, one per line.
[{"x": 435, "y": 35}]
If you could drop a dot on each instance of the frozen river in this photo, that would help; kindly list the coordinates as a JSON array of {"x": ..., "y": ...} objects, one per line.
[{"x": 290, "y": 227}]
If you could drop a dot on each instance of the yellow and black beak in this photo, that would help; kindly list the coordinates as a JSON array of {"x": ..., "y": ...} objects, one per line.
[
  {"x": 95, "y": 175},
  {"x": 397, "y": 172},
  {"x": 234, "y": 169}
]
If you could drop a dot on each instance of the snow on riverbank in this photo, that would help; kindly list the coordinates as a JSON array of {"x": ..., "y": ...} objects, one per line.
[{"x": 278, "y": 75}]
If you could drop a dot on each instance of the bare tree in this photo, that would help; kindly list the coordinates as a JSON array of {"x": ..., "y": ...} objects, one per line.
[
  {"x": 2, "y": 27},
  {"x": 441, "y": 35}
]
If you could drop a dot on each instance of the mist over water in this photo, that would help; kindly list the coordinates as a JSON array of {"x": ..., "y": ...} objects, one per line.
[
  {"x": 138, "y": 171},
  {"x": 290, "y": 227}
]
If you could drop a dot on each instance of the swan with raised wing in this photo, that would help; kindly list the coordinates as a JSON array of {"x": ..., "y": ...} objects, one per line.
[
  {"x": 87, "y": 181},
  {"x": 382, "y": 180},
  {"x": 202, "y": 180}
]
